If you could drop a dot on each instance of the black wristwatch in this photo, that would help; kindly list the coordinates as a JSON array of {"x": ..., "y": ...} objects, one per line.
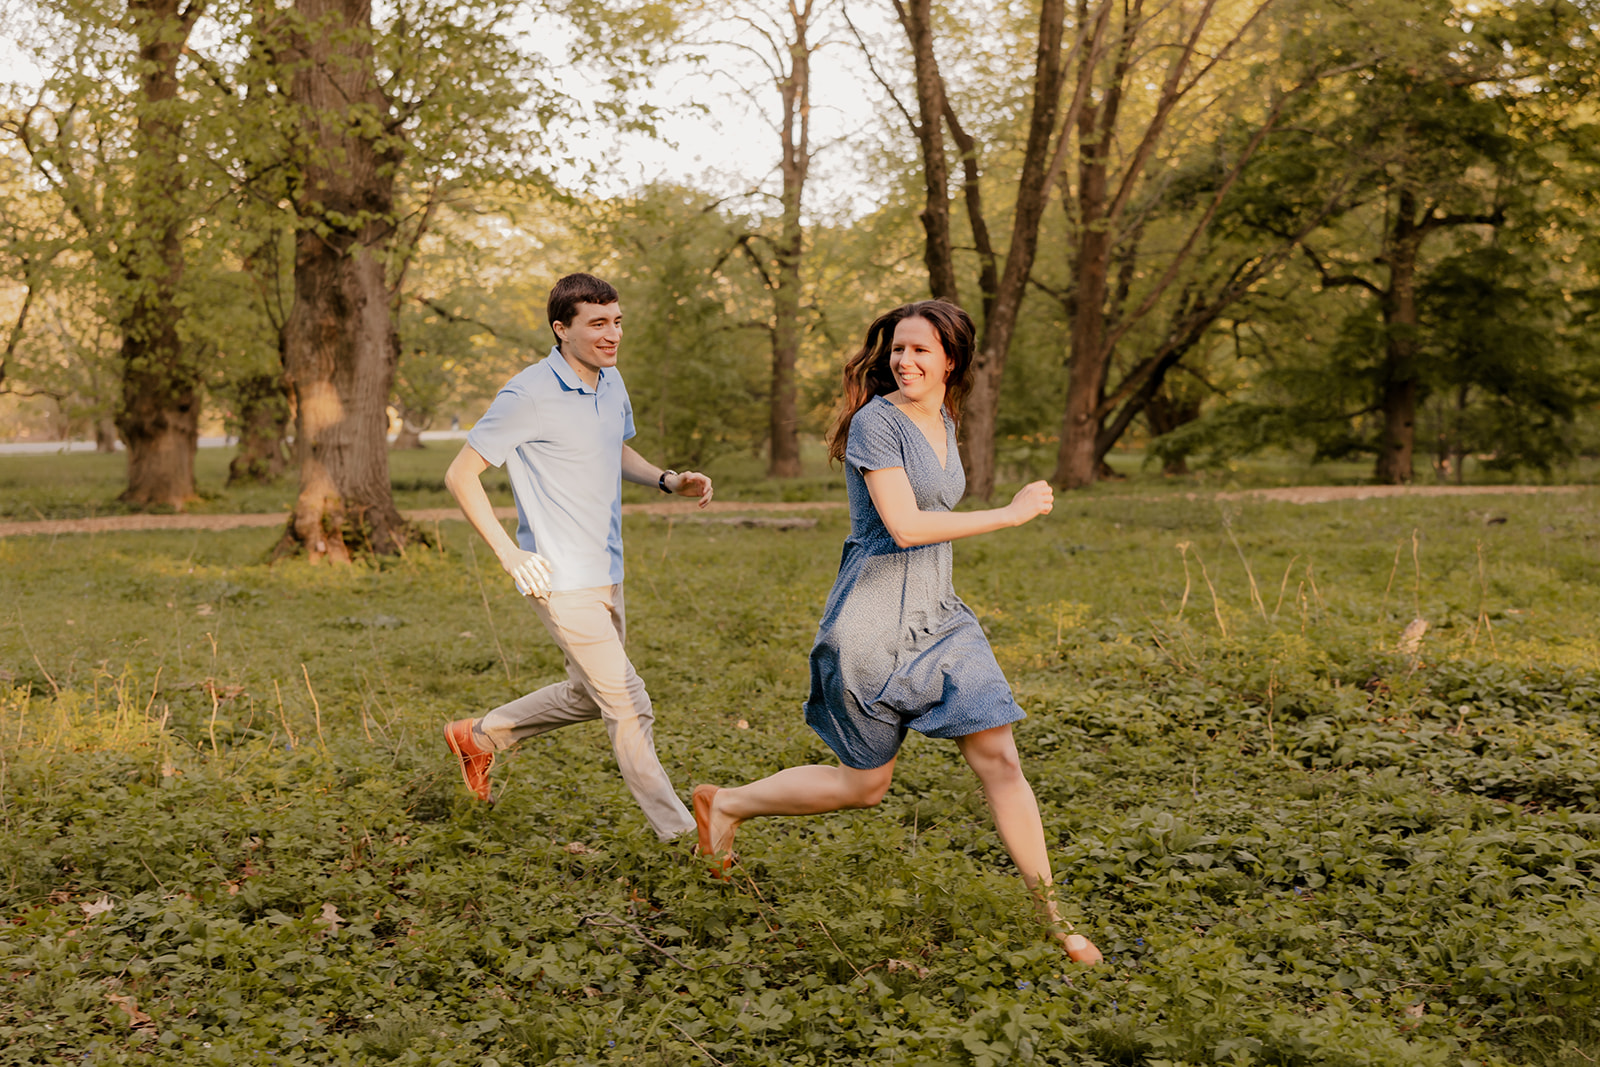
[{"x": 661, "y": 482}]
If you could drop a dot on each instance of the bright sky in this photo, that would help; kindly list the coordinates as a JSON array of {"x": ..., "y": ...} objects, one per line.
[{"x": 730, "y": 144}]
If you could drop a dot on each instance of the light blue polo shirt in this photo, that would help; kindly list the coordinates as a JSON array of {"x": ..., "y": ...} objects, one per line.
[{"x": 561, "y": 445}]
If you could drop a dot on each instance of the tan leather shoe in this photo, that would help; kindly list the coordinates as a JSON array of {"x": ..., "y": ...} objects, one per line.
[{"x": 475, "y": 758}]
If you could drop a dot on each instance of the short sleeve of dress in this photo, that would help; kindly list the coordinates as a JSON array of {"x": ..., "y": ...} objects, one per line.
[
  {"x": 873, "y": 445},
  {"x": 508, "y": 423}
]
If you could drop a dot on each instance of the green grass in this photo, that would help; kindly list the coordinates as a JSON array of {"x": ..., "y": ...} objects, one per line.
[{"x": 1296, "y": 844}]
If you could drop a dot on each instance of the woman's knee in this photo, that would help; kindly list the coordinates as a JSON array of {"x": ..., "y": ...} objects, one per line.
[
  {"x": 994, "y": 758},
  {"x": 868, "y": 788}
]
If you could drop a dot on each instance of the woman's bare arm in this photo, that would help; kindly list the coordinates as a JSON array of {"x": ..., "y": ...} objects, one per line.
[{"x": 910, "y": 526}]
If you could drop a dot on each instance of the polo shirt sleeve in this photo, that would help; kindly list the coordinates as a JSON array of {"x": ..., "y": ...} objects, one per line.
[
  {"x": 509, "y": 422},
  {"x": 628, "y": 430}
]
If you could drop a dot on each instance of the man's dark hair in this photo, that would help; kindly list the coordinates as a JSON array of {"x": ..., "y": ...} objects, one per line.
[{"x": 575, "y": 289}]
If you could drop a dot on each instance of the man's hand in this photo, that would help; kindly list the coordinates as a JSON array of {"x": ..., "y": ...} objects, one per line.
[
  {"x": 529, "y": 570},
  {"x": 692, "y": 483}
]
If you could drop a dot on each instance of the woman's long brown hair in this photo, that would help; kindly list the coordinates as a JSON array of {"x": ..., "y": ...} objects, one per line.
[{"x": 867, "y": 374}]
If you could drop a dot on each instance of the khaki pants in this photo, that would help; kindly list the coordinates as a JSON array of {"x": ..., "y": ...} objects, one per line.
[{"x": 590, "y": 626}]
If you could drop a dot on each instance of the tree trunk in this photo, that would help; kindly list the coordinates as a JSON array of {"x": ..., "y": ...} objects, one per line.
[
  {"x": 1033, "y": 194},
  {"x": 916, "y": 18},
  {"x": 1001, "y": 296},
  {"x": 342, "y": 347},
  {"x": 105, "y": 434},
  {"x": 1076, "y": 464},
  {"x": 159, "y": 418},
  {"x": 1165, "y": 414},
  {"x": 784, "y": 423},
  {"x": 409, "y": 438},
  {"x": 1394, "y": 465},
  {"x": 263, "y": 424}
]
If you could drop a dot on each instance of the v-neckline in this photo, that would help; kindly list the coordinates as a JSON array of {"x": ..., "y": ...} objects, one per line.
[{"x": 944, "y": 464}]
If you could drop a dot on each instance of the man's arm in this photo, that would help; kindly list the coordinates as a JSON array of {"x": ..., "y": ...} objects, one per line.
[
  {"x": 640, "y": 471},
  {"x": 529, "y": 570}
]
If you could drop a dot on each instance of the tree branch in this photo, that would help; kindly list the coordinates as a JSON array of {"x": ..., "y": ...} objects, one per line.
[{"x": 873, "y": 68}]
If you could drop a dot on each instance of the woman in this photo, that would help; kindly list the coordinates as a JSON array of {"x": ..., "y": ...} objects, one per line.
[{"x": 896, "y": 647}]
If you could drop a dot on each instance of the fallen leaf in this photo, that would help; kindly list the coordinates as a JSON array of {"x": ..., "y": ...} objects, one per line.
[
  {"x": 169, "y": 771},
  {"x": 330, "y": 920},
  {"x": 590, "y": 991},
  {"x": 577, "y": 848},
  {"x": 742, "y": 724},
  {"x": 902, "y": 965},
  {"x": 98, "y": 907},
  {"x": 1415, "y": 1010},
  {"x": 205, "y": 609},
  {"x": 232, "y": 888},
  {"x": 141, "y": 1023}
]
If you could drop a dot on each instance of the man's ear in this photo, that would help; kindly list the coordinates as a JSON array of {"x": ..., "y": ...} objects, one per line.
[{"x": 561, "y": 330}]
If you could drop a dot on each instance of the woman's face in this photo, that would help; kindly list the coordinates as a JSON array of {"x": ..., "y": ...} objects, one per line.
[{"x": 918, "y": 361}]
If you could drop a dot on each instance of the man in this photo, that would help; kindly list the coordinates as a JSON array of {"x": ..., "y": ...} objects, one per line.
[{"x": 559, "y": 428}]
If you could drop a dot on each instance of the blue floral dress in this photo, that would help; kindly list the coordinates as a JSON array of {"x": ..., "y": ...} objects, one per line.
[{"x": 896, "y": 647}]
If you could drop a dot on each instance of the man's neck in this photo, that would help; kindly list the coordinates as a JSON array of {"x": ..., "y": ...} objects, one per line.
[{"x": 588, "y": 375}]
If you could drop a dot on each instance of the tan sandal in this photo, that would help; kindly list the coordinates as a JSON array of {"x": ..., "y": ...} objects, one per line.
[{"x": 702, "y": 797}]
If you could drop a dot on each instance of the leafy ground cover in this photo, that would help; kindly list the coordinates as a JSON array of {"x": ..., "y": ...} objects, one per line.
[{"x": 232, "y": 835}]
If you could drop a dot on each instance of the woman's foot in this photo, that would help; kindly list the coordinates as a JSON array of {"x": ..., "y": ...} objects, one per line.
[{"x": 714, "y": 833}]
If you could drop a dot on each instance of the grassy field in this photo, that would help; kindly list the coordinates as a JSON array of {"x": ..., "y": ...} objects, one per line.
[{"x": 231, "y": 833}]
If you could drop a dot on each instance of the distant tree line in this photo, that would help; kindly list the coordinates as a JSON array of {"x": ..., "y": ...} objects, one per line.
[{"x": 1222, "y": 226}]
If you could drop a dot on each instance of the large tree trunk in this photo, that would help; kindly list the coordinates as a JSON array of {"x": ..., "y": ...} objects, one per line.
[
  {"x": 263, "y": 426},
  {"x": 1394, "y": 465},
  {"x": 1076, "y": 462},
  {"x": 916, "y": 18},
  {"x": 784, "y": 425},
  {"x": 342, "y": 347},
  {"x": 159, "y": 418},
  {"x": 1033, "y": 193},
  {"x": 1001, "y": 292}
]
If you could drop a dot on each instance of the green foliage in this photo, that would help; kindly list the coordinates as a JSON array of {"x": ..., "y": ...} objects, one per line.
[
  {"x": 1297, "y": 843},
  {"x": 697, "y": 333}
]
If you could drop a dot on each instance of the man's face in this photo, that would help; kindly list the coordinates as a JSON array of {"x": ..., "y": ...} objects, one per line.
[{"x": 592, "y": 338}]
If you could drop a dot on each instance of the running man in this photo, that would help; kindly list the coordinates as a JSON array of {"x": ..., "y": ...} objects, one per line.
[{"x": 559, "y": 428}]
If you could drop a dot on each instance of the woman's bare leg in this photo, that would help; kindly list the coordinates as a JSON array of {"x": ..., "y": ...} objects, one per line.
[
  {"x": 808, "y": 790},
  {"x": 992, "y": 755}
]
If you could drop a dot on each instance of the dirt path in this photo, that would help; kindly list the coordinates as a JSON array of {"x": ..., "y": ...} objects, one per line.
[{"x": 1299, "y": 494}]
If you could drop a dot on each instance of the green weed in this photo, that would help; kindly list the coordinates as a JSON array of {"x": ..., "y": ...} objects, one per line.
[{"x": 231, "y": 833}]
